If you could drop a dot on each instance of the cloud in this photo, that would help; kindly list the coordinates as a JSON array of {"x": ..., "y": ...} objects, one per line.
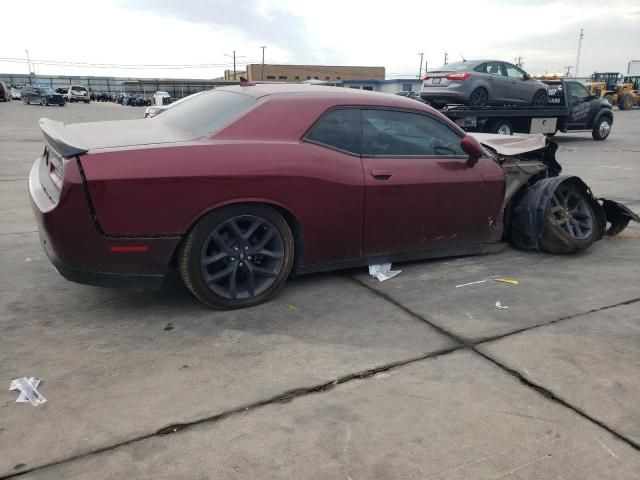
[
  {"x": 272, "y": 26},
  {"x": 608, "y": 45}
]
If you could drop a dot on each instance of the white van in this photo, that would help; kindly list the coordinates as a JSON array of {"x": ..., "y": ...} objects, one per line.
[{"x": 78, "y": 93}]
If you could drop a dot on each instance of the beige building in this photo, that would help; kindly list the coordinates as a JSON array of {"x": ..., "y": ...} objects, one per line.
[{"x": 300, "y": 73}]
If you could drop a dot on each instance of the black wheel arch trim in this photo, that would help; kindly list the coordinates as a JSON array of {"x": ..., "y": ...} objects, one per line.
[{"x": 602, "y": 113}]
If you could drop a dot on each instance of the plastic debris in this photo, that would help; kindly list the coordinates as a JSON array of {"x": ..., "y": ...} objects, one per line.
[
  {"x": 28, "y": 390},
  {"x": 471, "y": 283},
  {"x": 499, "y": 305},
  {"x": 510, "y": 281},
  {"x": 382, "y": 271}
]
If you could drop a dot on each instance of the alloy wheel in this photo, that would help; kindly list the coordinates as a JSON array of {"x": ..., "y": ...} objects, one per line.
[
  {"x": 242, "y": 257},
  {"x": 572, "y": 213},
  {"x": 479, "y": 98}
]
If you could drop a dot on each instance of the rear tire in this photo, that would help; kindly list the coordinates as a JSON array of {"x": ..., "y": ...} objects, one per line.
[
  {"x": 237, "y": 257},
  {"x": 25, "y": 100},
  {"x": 626, "y": 102},
  {"x": 540, "y": 98},
  {"x": 571, "y": 224},
  {"x": 501, "y": 127},
  {"x": 602, "y": 129},
  {"x": 44, "y": 102},
  {"x": 478, "y": 98}
]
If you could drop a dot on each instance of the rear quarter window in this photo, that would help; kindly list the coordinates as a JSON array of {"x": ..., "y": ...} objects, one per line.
[{"x": 207, "y": 112}]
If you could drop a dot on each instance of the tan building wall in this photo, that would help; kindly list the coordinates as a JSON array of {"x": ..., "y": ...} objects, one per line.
[{"x": 300, "y": 73}]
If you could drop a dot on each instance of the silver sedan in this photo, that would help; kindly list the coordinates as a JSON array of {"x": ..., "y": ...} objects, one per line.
[{"x": 479, "y": 83}]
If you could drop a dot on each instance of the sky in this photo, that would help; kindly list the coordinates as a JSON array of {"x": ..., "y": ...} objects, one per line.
[{"x": 197, "y": 38}]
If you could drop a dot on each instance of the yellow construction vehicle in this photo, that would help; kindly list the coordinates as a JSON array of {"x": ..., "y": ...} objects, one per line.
[{"x": 608, "y": 86}]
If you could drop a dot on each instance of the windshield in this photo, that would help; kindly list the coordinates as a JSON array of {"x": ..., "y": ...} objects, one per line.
[
  {"x": 46, "y": 90},
  {"x": 207, "y": 112},
  {"x": 455, "y": 67}
]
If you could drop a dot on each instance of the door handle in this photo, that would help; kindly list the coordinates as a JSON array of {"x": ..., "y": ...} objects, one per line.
[{"x": 381, "y": 174}]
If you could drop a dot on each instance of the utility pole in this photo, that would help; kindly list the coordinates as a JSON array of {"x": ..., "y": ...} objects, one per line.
[
  {"x": 519, "y": 61},
  {"x": 446, "y": 55},
  {"x": 262, "y": 68},
  {"x": 234, "y": 65},
  {"x": 568, "y": 67},
  {"x": 420, "y": 71},
  {"x": 29, "y": 63},
  {"x": 579, "y": 51}
]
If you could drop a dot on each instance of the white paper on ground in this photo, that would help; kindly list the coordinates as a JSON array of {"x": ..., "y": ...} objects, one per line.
[
  {"x": 28, "y": 390},
  {"x": 383, "y": 271}
]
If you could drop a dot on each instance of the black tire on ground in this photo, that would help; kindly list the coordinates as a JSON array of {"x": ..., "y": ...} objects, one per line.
[
  {"x": 626, "y": 102},
  {"x": 61, "y": 104},
  {"x": 602, "y": 128},
  {"x": 44, "y": 101},
  {"x": 501, "y": 127},
  {"x": 540, "y": 98},
  {"x": 571, "y": 224},
  {"x": 246, "y": 251},
  {"x": 479, "y": 98},
  {"x": 25, "y": 100}
]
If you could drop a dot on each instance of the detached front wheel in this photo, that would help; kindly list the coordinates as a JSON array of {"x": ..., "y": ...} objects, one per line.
[
  {"x": 237, "y": 257},
  {"x": 571, "y": 223}
]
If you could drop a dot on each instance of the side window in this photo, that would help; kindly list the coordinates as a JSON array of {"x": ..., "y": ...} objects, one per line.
[
  {"x": 513, "y": 71},
  {"x": 493, "y": 68},
  {"x": 577, "y": 91},
  {"x": 339, "y": 129},
  {"x": 389, "y": 133},
  {"x": 482, "y": 68}
]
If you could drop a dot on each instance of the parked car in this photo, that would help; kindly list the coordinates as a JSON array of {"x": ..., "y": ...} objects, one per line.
[
  {"x": 161, "y": 98},
  {"x": 42, "y": 95},
  {"x": 478, "y": 83},
  {"x": 16, "y": 88},
  {"x": 243, "y": 185},
  {"x": 5, "y": 92},
  {"x": 153, "y": 110},
  {"x": 411, "y": 95},
  {"x": 78, "y": 93}
]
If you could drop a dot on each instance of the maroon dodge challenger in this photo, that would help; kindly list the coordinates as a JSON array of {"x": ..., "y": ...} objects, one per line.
[{"x": 242, "y": 186}]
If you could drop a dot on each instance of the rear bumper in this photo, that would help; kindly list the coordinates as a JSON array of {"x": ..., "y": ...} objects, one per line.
[
  {"x": 71, "y": 240},
  {"x": 441, "y": 94}
]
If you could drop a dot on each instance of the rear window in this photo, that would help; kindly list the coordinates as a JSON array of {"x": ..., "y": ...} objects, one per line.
[
  {"x": 207, "y": 112},
  {"x": 455, "y": 67}
]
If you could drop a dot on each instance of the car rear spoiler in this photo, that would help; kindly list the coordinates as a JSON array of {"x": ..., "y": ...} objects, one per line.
[{"x": 57, "y": 138}]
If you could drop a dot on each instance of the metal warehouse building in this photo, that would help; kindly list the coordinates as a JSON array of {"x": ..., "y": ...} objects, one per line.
[{"x": 177, "y": 88}]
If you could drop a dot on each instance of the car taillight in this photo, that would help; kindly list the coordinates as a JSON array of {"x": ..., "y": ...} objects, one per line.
[
  {"x": 458, "y": 76},
  {"x": 426, "y": 77}
]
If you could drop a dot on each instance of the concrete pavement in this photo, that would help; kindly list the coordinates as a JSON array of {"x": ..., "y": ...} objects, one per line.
[{"x": 339, "y": 376}]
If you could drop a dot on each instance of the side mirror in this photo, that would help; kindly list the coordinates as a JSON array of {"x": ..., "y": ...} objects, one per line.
[
  {"x": 526, "y": 76},
  {"x": 472, "y": 147}
]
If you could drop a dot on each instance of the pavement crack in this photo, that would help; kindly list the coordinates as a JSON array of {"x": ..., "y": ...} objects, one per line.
[
  {"x": 555, "y": 398},
  {"x": 472, "y": 346},
  {"x": 284, "y": 397}
]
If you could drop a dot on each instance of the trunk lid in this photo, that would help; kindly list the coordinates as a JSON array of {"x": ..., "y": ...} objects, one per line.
[{"x": 79, "y": 138}]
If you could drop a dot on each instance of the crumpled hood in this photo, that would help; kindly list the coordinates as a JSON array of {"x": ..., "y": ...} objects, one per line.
[{"x": 511, "y": 144}]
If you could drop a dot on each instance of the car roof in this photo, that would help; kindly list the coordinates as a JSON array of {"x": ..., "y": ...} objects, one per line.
[{"x": 260, "y": 90}]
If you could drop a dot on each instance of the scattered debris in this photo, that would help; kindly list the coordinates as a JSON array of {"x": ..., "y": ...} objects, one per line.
[
  {"x": 499, "y": 305},
  {"x": 28, "y": 390},
  {"x": 510, "y": 281},
  {"x": 27, "y": 260},
  {"x": 292, "y": 307},
  {"x": 471, "y": 283},
  {"x": 382, "y": 271}
]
